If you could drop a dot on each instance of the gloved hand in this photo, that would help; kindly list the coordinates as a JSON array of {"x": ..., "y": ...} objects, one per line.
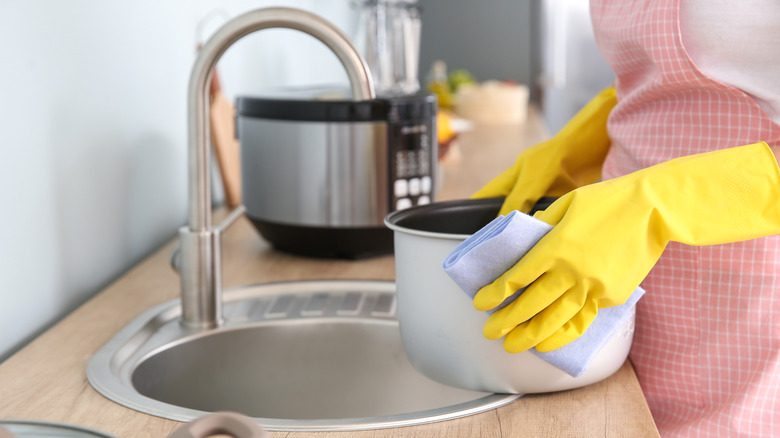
[
  {"x": 571, "y": 159},
  {"x": 607, "y": 236}
]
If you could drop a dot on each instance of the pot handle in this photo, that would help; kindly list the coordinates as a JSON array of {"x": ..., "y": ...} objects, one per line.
[{"x": 231, "y": 423}]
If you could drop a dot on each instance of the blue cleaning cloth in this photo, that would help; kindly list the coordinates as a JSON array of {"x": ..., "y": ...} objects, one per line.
[{"x": 491, "y": 251}]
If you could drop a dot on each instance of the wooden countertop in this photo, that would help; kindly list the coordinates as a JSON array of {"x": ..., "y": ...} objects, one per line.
[{"x": 46, "y": 380}]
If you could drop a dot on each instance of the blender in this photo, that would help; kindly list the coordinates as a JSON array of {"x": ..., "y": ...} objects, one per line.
[{"x": 389, "y": 39}]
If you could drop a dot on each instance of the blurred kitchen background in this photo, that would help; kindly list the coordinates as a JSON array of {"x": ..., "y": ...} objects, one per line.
[{"x": 93, "y": 171}]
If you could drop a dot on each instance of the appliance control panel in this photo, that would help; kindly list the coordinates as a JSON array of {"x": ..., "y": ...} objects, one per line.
[{"x": 413, "y": 158}]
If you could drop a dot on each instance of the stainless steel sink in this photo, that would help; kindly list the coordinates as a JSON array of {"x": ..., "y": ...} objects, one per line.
[
  {"x": 304, "y": 355},
  {"x": 315, "y": 355}
]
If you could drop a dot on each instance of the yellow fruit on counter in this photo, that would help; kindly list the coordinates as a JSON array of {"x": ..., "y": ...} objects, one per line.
[{"x": 444, "y": 131}]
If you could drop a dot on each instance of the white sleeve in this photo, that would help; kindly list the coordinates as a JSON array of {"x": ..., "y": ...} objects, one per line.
[{"x": 736, "y": 42}]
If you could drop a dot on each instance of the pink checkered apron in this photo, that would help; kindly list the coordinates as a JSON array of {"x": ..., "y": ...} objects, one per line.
[{"x": 707, "y": 343}]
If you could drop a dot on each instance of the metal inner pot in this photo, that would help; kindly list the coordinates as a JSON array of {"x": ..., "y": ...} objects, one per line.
[{"x": 442, "y": 332}]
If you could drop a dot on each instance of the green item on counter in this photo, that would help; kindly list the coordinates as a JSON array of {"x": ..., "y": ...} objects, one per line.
[{"x": 460, "y": 77}]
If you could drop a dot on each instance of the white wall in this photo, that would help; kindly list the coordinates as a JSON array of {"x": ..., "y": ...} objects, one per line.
[{"x": 92, "y": 135}]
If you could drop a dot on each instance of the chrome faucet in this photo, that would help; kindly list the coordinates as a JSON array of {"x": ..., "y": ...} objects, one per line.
[{"x": 199, "y": 251}]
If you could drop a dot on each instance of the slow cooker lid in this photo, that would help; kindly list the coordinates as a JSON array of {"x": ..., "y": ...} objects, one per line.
[{"x": 410, "y": 108}]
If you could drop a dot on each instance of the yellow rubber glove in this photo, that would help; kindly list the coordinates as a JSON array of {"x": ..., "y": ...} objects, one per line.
[
  {"x": 607, "y": 236},
  {"x": 571, "y": 159}
]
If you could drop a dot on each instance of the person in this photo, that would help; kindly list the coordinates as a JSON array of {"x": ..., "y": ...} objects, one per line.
[{"x": 667, "y": 180}]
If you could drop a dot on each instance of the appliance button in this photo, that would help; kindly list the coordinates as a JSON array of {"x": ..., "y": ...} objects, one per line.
[
  {"x": 414, "y": 163},
  {"x": 423, "y": 163},
  {"x": 423, "y": 200},
  {"x": 401, "y": 188},
  {"x": 414, "y": 186},
  {"x": 426, "y": 184},
  {"x": 403, "y": 203},
  {"x": 400, "y": 164}
]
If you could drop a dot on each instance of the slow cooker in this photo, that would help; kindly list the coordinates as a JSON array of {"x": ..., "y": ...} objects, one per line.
[{"x": 320, "y": 175}]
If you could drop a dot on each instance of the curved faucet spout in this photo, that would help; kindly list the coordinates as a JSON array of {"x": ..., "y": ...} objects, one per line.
[
  {"x": 203, "y": 70},
  {"x": 200, "y": 264}
]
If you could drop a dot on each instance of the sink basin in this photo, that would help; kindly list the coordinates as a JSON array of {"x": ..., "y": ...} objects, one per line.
[{"x": 312, "y": 355}]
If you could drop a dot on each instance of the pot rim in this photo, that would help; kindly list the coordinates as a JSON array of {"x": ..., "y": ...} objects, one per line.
[
  {"x": 430, "y": 234},
  {"x": 392, "y": 219}
]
